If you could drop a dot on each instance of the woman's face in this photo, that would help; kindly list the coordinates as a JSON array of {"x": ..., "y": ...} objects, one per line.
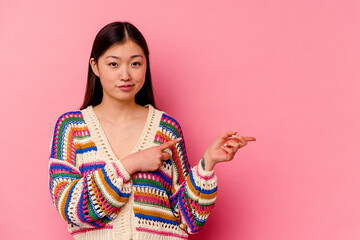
[{"x": 122, "y": 71}]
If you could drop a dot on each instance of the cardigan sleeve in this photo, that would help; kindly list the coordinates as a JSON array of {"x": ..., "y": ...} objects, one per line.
[
  {"x": 89, "y": 195},
  {"x": 194, "y": 190}
]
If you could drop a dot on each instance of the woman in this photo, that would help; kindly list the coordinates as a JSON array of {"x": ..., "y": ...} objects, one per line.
[{"x": 118, "y": 166}]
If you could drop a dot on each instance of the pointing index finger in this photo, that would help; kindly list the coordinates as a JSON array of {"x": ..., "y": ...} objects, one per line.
[
  {"x": 250, "y": 139},
  {"x": 246, "y": 138},
  {"x": 169, "y": 143}
]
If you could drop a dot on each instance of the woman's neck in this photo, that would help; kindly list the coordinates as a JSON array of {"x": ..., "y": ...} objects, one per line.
[{"x": 113, "y": 110}]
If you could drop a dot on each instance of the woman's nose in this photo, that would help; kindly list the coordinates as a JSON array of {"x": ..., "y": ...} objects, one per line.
[{"x": 125, "y": 74}]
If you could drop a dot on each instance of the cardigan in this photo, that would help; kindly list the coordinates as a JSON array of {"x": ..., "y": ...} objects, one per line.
[{"x": 93, "y": 192}]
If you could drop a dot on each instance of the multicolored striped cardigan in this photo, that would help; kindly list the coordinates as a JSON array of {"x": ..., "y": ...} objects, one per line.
[{"x": 97, "y": 197}]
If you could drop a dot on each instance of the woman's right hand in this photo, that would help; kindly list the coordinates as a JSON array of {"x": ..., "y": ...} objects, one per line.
[{"x": 149, "y": 159}]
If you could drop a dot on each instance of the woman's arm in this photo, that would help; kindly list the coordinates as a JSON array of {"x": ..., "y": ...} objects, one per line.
[
  {"x": 193, "y": 190},
  {"x": 90, "y": 195}
]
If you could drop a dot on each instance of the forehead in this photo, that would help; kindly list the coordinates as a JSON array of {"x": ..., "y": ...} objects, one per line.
[{"x": 125, "y": 49}]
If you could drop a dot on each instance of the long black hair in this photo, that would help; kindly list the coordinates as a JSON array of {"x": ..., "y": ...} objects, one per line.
[{"x": 114, "y": 33}]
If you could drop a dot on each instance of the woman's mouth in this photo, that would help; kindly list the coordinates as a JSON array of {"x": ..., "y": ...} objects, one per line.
[{"x": 126, "y": 87}]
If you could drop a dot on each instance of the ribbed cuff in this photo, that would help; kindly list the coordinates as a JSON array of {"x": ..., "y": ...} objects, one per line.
[{"x": 121, "y": 170}]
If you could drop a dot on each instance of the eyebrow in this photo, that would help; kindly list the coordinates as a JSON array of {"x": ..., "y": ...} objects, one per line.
[{"x": 133, "y": 56}]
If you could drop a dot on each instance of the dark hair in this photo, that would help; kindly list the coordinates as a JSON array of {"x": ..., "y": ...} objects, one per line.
[{"x": 114, "y": 33}]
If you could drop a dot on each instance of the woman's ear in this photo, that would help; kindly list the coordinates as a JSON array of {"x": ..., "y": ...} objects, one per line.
[{"x": 94, "y": 66}]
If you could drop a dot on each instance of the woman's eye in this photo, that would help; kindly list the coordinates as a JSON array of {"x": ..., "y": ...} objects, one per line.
[
  {"x": 113, "y": 64},
  {"x": 136, "y": 64}
]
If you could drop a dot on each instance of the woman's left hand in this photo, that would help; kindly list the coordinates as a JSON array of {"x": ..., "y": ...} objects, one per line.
[{"x": 224, "y": 148}]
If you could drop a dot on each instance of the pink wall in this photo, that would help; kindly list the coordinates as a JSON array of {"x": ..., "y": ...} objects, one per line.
[{"x": 285, "y": 72}]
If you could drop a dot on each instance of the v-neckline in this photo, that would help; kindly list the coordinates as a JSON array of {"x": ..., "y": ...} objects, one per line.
[{"x": 102, "y": 142}]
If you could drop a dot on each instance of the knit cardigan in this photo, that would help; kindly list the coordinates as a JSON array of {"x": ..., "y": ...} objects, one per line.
[{"x": 93, "y": 192}]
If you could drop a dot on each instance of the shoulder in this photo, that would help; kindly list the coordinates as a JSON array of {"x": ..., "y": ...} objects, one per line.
[
  {"x": 66, "y": 120},
  {"x": 168, "y": 124},
  {"x": 68, "y": 124},
  {"x": 69, "y": 117}
]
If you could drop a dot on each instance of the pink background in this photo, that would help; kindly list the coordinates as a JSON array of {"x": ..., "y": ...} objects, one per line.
[{"x": 285, "y": 72}]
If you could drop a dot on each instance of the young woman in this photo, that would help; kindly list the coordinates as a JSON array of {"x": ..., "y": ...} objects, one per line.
[{"x": 118, "y": 166}]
